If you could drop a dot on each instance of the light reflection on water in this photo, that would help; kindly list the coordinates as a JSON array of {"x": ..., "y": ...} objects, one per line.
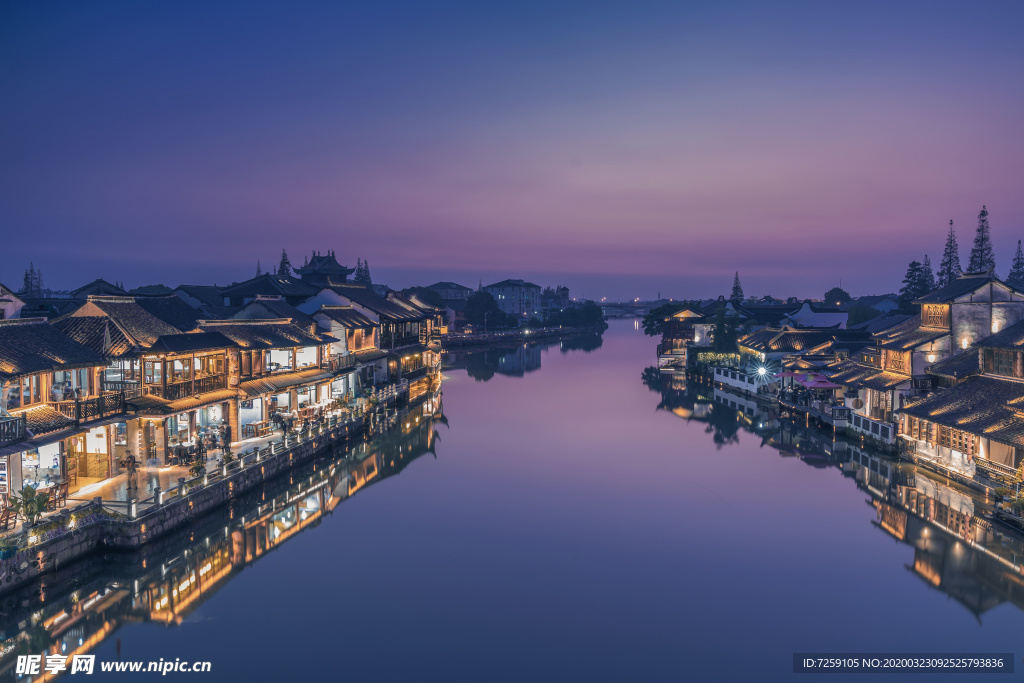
[{"x": 570, "y": 514}]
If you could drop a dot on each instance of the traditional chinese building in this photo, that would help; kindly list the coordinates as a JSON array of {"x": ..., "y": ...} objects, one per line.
[
  {"x": 979, "y": 421},
  {"x": 58, "y": 425}
]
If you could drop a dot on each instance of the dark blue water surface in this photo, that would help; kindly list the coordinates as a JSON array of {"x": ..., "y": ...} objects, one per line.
[{"x": 578, "y": 518}]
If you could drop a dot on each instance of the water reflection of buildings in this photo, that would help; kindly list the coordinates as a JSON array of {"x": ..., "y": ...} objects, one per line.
[
  {"x": 957, "y": 549},
  {"x": 165, "y": 582},
  {"x": 514, "y": 360}
]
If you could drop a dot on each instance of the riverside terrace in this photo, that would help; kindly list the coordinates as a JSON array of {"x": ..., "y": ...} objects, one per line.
[
  {"x": 167, "y": 580},
  {"x": 75, "y": 532},
  {"x": 157, "y": 378}
]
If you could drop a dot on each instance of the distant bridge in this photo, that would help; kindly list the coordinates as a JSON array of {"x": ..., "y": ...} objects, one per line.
[{"x": 627, "y": 309}]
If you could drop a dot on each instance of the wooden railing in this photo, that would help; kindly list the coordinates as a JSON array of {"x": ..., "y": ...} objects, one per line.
[
  {"x": 95, "y": 408},
  {"x": 12, "y": 429},
  {"x": 337, "y": 363},
  {"x": 200, "y": 385}
]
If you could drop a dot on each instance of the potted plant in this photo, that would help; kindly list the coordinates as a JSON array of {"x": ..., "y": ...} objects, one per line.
[{"x": 30, "y": 504}]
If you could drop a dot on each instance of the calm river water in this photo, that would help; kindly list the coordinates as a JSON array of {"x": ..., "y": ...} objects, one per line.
[{"x": 568, "y": 514}]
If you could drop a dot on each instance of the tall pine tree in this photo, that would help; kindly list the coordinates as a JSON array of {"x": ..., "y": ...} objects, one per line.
[
  {"x": 1016, "y": 276},
  {"x": 929, "y": 275},
  {"x": 914, "y": 285},
  {"x": 983, "y": 257},
  {"x": 949, "y": 269},
  {"x": 737, "y": 289},
  {"x": 285, "y": 267},
  {"x": 362, "y": 274},
  {"x": 28, "y": 286}
]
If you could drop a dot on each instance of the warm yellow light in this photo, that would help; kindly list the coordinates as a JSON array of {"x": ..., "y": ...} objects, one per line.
[{"x": 964, "y": 343}]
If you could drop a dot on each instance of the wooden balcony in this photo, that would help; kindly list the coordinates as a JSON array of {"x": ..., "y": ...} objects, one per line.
[
  {"x": 201, "y": 385},
  {"x": 338, "y": 363},
  {"x": 88, "y": 409},
  {"x": 12, "y": 429}
]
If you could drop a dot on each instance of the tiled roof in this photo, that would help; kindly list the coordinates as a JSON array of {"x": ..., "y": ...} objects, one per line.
[
  {"x": 513, "y": 283},
  {"x": 208, "y": 294},
  {"x": 370, "y": 355},
  {"x": 271, "y": 309},
  {"x": 265, "y": 334},
  {"x": 853, "y": 375},
  {"x": 881, "y": 323},
  {"x": 913, "y": 339},
  {"x": 156, "y": 404},
  {"x": 1007, "y": 338},
  {"x": 98, "y": 286},
  {"x": 957, "y": 366},
  {"x": 138, "y": 324},
  {"x": 44, "y": 419},
  {"x": 285, "y": 285},
  {"x": 172, "y": 310},
  {"x": 92, "y": 331},
  {"x": 387, "y": 310},
  {"x": 278, "y": 383},
  {"x": 963, "y": 285},
  {"x": 884, "y": 380},
  {"x": 984, "y": 406},
  {"x": 346, "y": 316},
  {"x": 29, "y": 346},
  {"x": 320, "y": 264},
  {"x": 769, "y": 340},
  {"x": 198, "y": 341}
]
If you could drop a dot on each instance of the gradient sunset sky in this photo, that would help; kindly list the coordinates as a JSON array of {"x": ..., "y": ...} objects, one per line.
[{"x": 620, "y": 148}]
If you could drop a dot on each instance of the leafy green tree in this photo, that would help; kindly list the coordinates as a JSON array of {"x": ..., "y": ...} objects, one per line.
[
  {"x": 837, "y": 296},
  {"x": 483, "y": 311},
  {"x": 983, "y": 257},
  {"x": 585, "y": 315},
  {"x": 949, "y": 268},
  {"x": 737, "y": 289},
  {"x": 1016, "y": 276},
  {"x": 724, "y": 332},
  {"x": 652, "y": 322}
]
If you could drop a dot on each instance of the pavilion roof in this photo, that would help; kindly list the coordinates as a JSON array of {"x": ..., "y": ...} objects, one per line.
[{"x": 28, "y": 346}]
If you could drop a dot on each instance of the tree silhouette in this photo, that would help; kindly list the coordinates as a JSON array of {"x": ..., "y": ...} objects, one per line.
[
  {"x": 1016, "y": 276},
  {"x": 929, "y": 275},
  {"x": 737, "y": 289},
  {"x": 983, "y": 258},
  {"x": 949, "y": 268}
]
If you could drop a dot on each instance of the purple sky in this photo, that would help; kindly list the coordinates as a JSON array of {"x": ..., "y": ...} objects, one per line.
[{"x": 622, "y": 149}]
